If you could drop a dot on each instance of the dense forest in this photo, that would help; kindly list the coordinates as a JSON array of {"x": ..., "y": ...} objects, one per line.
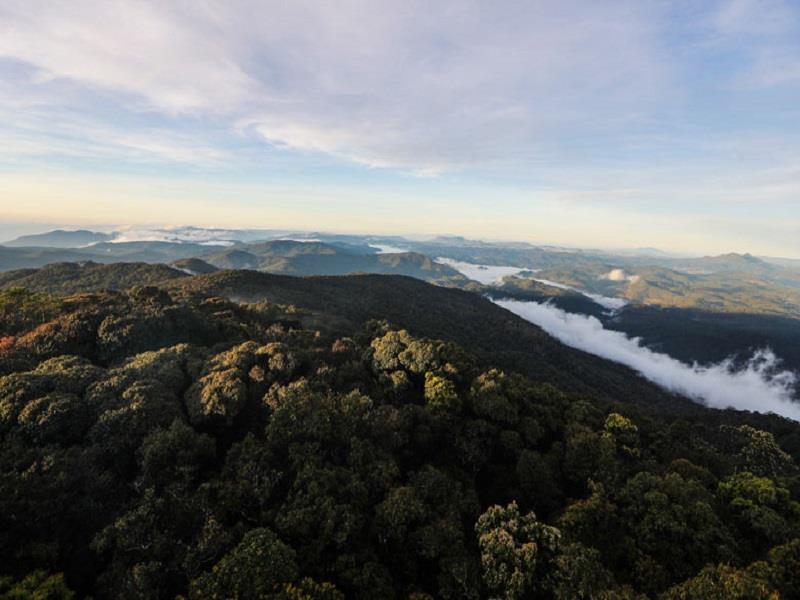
[{"x": 241, "y": 435}]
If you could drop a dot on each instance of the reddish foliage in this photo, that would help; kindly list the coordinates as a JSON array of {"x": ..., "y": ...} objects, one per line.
[{"x": 7, "y": 345}]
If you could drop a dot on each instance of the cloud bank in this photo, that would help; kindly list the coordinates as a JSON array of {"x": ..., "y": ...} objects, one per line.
[
  {"x": 606, "y": 302},
  {"x": 494, "y": 274},
  {"x": 485, "y": 274},
  {"x": 194, "y": 235},
  {"x": 388, "y": 249},
  {"x": 619, "y": 275},
  {"x": 759, "y": 387}
]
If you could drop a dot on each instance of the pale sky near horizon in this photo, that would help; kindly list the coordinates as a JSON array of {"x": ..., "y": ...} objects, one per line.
[{"x": 623, "y": 123}]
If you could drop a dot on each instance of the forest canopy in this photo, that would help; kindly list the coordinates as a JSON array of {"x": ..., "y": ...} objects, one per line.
[{"x": 179, "y": 444}]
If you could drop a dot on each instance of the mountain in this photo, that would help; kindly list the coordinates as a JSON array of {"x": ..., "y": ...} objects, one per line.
[
  {"x": 193, "y": 266},
  {"x": 709, "y": 337},
  {"x": 60, "y": 239},
  {"x": 233, "y": 258},
  {"x": 787, "y": 263},
  {"x": 102, "y": 252},
  {"x": 148, "y": 251},
  {"x": 725, "y": 284},
  {"x": 339, "y": 304},
  {"x": 250, "y": 435},
  {"x": 523, "y": 288},
  {"x": 277, "y": 256},
  {"x": 318, "y": 258},
  {"x": 724, "y": 263},
  {"x": 71, "y": 278},
  {"x": 35, "y": 257},
  {"x": 342, "y": 304}
]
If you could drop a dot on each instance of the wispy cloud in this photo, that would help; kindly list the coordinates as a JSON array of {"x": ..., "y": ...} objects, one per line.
[
  {"x": 767, "y": 35},
  {"x": 651, "y": 110},
  {"x": 413, "y": 85}
]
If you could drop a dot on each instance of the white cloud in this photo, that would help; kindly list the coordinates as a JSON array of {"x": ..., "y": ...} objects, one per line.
[
  {"x": 388, "y": 249},
  {"x": 754, "y": 17},
  {"x": 170, "y": 59},
  {"x": 624, "y": 105},
  {"x": 606, "y": 302},
  {"x": 767, "y": 33},
  {"x": 485, "y": 274},
  {"x": 419, "y": 86},
  {"x": 761, "y": 386},
  {"x": 619, "y": 275}
]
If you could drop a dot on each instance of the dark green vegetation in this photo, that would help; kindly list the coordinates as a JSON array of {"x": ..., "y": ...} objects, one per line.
[
  {"x": 312, "y": 439},
  {"x": 68, "y": 278},
  {"x": 103, "y": 252}
]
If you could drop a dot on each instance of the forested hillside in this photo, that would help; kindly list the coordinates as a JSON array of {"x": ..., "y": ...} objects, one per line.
[{"x": 242, "y": 435}]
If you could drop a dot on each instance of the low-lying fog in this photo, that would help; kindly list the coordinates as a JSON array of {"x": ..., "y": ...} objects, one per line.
[
  {"x": 604, "y": 301},
  {"x": 760, "y": 386},
  {"x": 485, "y": 274},
  {"x": 492, "y": 274}
]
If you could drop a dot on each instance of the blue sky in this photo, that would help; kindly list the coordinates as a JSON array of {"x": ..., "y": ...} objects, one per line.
[{"x": 619, "y": 124}]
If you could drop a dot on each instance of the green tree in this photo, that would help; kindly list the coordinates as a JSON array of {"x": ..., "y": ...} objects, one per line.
[
  {"x": 764, "y": 511},
  {"x": 441, "y": 394},
  {"x": 510, "y": 545},
  {"x": 257, "y": 568},
  {"x": 36, "y": 586},
  {"x": 722, "y": 582}
]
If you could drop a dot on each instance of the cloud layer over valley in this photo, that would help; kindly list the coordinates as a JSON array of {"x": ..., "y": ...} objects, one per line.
[{"x": 761, "y": 386}]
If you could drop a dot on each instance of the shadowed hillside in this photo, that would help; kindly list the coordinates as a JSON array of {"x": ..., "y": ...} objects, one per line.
[
  {"x": 353, "y": 437},
  {"x": 498, "y": 336},
  {"x": 69, "y": 278}
]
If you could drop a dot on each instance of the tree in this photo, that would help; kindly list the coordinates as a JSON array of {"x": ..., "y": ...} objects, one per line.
[
  {"x": 579, "y": 573},
  {"x": 257, "y": 568},
  {"x": 784, "y": 568},
  {"x": 722, "y": 582},
  {"x": 763, "y": 510},
  {"x": 758, "y": 452},
  {"x": 36, "y": 586},
  {"x": 175, "y": 456},
  {"x": 492, "y": 397},
  {"x": 510, "y": 546},
  {"x": 440, "y": 393},
  {"x": 623, "y": 433},
  {"x": 22, "y": 309}
]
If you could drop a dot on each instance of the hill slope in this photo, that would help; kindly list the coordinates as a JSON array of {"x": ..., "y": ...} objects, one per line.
[
  {"x": 493, "y": 333},
  {"x": 71, "y": 278},
  {"x": 156, "y": 444}
]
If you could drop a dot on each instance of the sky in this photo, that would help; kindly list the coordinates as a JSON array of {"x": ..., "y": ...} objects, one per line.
[{"x": 663, "y": 123}]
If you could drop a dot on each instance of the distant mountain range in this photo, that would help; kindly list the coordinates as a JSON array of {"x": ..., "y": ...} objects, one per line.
[
  {"x": 739, "y": 283},
  {"x": 279, "y": 256},
  {"x": 60, "y": 239}
]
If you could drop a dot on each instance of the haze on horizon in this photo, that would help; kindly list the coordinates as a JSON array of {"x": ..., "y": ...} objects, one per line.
[{"x": 626, "y": 124}]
